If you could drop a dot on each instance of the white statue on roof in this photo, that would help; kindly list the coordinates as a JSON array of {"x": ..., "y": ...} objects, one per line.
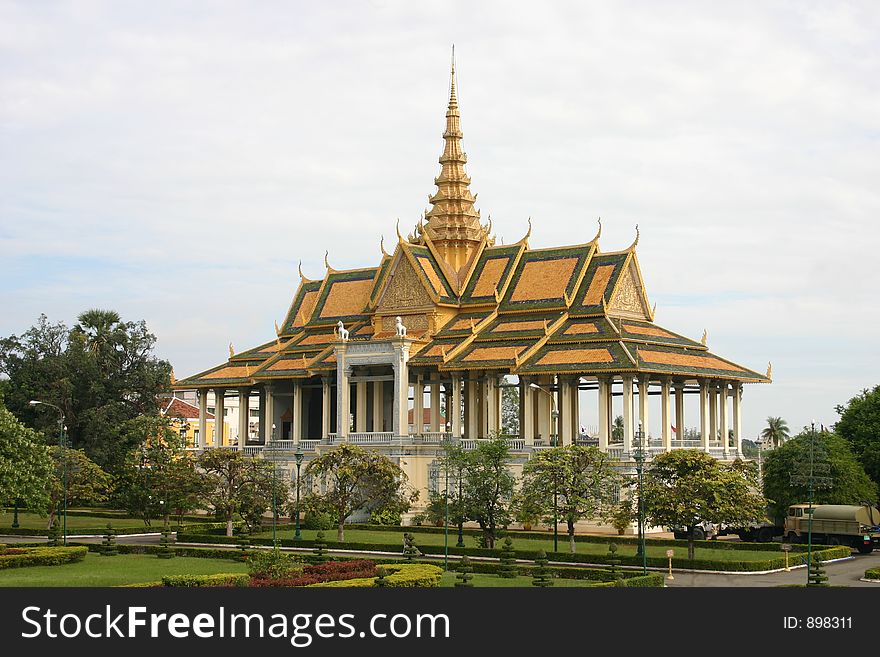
[
  {"x": 341, "y": 331},
  {"x": 401, "y": 329}
]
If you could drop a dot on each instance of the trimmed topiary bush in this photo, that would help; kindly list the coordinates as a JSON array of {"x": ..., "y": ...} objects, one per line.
[
  {"x": 541, "y": 576},
  {"x": 319, "y": 548},
  {"x": 166, "y": 544},
  {"x": 109, "y": 543},
  {"x": 41, "y": 556},
  {"x": 508, "y": 560},
  {"x": 222, "y": 579},
  {"x": 464, "y": 570}
]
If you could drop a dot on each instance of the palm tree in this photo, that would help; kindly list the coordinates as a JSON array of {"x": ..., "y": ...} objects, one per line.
[
  {"x": 102, "y": 332},
  {"x": 775, "y": 433},
  {"x": 617, "y": 429}
]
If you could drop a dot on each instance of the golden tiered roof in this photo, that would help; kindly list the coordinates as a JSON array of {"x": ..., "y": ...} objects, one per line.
[{"x": 471, "y": 305}]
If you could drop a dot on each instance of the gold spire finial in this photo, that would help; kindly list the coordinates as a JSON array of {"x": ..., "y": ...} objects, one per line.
[
  {"x": 231, "y": 350},
  {"x": 172, "y": 377},
  {"x": 705, "y": 337},
  {"x": 453, "y": 224}
]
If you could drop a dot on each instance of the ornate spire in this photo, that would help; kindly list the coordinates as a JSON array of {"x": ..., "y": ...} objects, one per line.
[{"x": 453, "y": 224}]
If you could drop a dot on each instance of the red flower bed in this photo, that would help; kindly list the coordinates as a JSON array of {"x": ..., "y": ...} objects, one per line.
[
  {"x": 6, "y": 551},
  {"x": 332, "y": 571}
]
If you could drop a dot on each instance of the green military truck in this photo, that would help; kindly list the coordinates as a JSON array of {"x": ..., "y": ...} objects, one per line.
[{"x": 835, "y": 524}]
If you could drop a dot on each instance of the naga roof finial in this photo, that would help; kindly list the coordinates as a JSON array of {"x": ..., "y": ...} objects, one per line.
[
  {"x": 382, "y": 247},
  {"x": 599, "y": 233}
]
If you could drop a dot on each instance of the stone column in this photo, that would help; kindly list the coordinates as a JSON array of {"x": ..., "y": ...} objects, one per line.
[
  {"x": 269, "y": 412},
  {"x": 419, "y": 406},
  {"x": 679, "y": 411},
  {"x": 262, "y": 416},
  {"x": 244, "y": 397},
  {"x": 724, "y": 424},
  {"x": 564, "y": 406},
  {"x": 326, "y": 391},
  {"x": 666, "y": 414},
  {"x": 604, "y": 415},
  {"x": 219, "y": 420},
  {"x": 737, "y": 418},
  {"x": 705, "y": 394},
  {"x": 628, "y": 427},
  {"x": 472, "y": 408},
  {"x": 544, "y": 403},
  {"x": 400, "y": 410},
  {"x": 378, "y": 405},
  {"x": 297, "y": 426},
  {"x": 644, "y": 384},
  {"x": 343, "y": 399},
  {"x": 361, "y": 408},
  {"x": 435, "y": 407},
  {"x": 527, "y": 411},
  {"x": 453, "y": 411},
  {"x": 713, "y": 412},
  {"x": 492, "y": 427},
  {"x": 203, "y": 417}
]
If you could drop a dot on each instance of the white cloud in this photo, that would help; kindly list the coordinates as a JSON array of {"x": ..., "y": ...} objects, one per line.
[{"x": 176, "y": 164}]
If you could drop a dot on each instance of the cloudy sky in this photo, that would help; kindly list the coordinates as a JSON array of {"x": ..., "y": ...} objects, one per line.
[{"x": 174, "y": 161}]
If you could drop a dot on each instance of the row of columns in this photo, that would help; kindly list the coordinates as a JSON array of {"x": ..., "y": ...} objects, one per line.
[{"x": 549, "y": 409}]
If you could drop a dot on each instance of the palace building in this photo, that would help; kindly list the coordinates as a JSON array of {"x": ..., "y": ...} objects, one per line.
[{"x": 446, "y": 321}]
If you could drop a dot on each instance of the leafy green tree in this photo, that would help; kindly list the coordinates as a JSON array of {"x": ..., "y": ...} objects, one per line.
[
  {"x": 256, "y": 495},
  {"x": 454, "y": 461},
  {"x": 236, "y": 484},
  {"x": 158, "y": 479},
  {"x": 775, "y": 433},
  {"x": 849, "y": 483},
  {"x": 617, "y": 430},
  {"x": 488, "y": 485},
  {"x": 102, "y": 373},
  {"x": 25, "y": 464},
  {"x": 859, "y": 425},
  {"x": 86, "y": 482},
  {"x": 583, "y": 482},
  {"x": 357, "y": 479},
  {"x": 687, "y": 486}
]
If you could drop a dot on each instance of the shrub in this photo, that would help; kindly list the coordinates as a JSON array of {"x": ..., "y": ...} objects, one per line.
[
  {"x": 415, "y": 575},
  {"x": 464, "y": 570},
  {"x": 109, "y": 543},
  {"x": 43, "y": 556},
  {"x": 222, "y": 579},
  {"x": 318, "y": 520},
  {"x": 271, "y": 564},
  {"x": 541, "y": 576},
  {"x": 319, "y": 548},
  {"x": 872, "y": 573},
  {"x": 507, "y": 560},
  {"x": 386, "y": 518}
]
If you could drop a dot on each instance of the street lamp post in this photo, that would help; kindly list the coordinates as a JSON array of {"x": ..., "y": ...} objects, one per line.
[
  {"x": 446, "y": 522},
  {"x": 15, "y": 524},
  {"x": 298, "y": 456},
  {"x": 460, "y": 542},
  {"x": 34, "y": 402},
  {"x": 639, "y": 457},
  {"x": 810, "y": 500},
  {"x": 554, "y": 439},
  {"x": 274, "y": 493}
]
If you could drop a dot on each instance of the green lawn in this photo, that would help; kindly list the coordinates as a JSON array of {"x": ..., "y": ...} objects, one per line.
[
  {"x": 484, "y": 580},
  {"x": 434, "y": 543},
  {"x": 34, "y": 521},
  {"x": 96, "y": 570}
]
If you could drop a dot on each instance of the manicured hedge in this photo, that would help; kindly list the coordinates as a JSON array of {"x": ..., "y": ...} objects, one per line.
[
  {"x": 222, "y": 579},
  {"x": 83, "y": 531},
  {"x": 42, "y": 556},
  {"x": 409, "y": 575},
  {"x": 206, "y": 553},
  {"x": 872, "y": 573}
]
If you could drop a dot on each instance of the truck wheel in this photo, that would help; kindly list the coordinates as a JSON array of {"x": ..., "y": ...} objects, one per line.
[
  {"x": 865, "y": 549},
  {"x": 698, "y": 534},
  {"x": 793, "y": 538},
  {"x": 765, "y": 535}
]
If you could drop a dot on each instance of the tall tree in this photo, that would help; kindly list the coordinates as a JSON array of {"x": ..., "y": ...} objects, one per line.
[
  {"x": 101, "y": 373},
  {"x": 849, "y": 483},
  {"x": 24, "y": 463},
  {"x": 488, "y": 487},
  {"x": 617, "y": 429},
  {"x": 510, "y": 410},
  {"x": 75, "y": 475},
  {"x": 158, "y": 479},
  {"x": 687, "y": 486},
  {"x": 775, "y": 433},
  {"x": 581, "y": 482},
  {"x": 859, "y": 425},
  {"x": 356, "y": 479},
  {"x": 233, "y": 479}
]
